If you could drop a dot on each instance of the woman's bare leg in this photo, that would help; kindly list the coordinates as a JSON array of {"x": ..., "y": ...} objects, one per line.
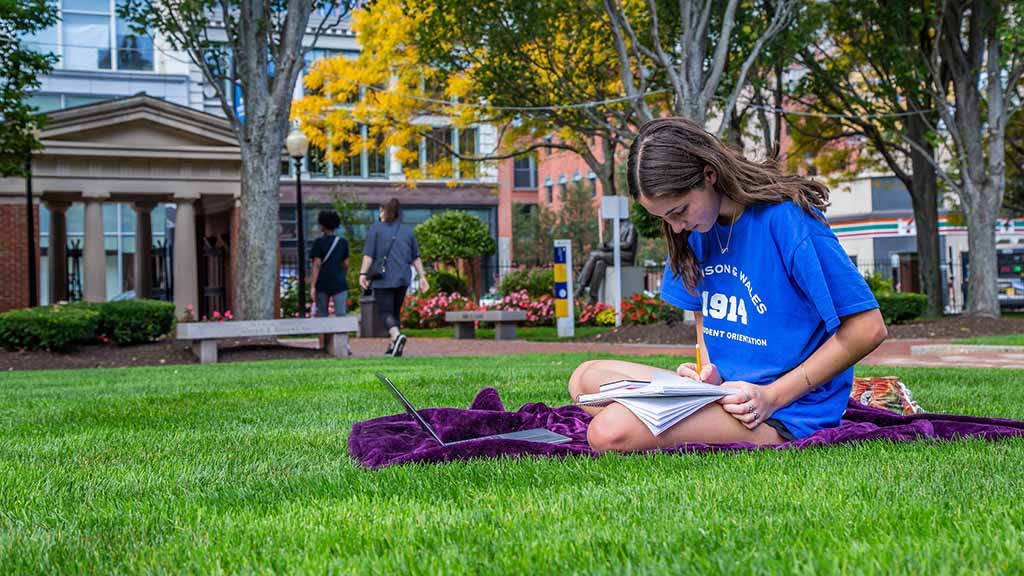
[
  {"x": 616, "y": 428},
  {"x": 590, "y": 375}
]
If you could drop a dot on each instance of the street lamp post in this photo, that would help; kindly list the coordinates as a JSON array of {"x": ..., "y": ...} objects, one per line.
[
  {"x": 297, "y": 145},
  {"x": 33, "y": 287}
]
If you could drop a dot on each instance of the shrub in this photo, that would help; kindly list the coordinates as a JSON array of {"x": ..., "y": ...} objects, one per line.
[
  {"x": 902, "y": 307},
  {"x": 446, "y": 282},
  {"x": 135, "y": 321},
  {"x": 591, "y": 314},
  {"x": 429, "y": 312},
  {"x": 539, "y": 312},
  {"x": 57, "y": 327},
  {"x": 879, "y": 286},
  {"x": 538, "y": 282},
  {"x": 640, "y": 309},
  {"x": 454, "y": 235}
]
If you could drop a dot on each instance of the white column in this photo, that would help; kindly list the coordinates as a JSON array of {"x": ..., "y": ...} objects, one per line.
[
  {"x": 186, "y": 283},
  {"x": 94, "y": 254}
]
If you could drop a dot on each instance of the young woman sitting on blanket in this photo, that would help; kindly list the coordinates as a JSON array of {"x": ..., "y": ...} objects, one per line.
[{"x": 782, "y": 314}]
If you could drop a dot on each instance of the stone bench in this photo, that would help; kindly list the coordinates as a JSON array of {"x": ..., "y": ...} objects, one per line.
[
  {"x": 504, "y": 322},
  {"x": 204, "y": 335}
]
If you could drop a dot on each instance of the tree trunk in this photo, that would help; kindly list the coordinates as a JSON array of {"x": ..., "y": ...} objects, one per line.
[
  {"x": 255, "y": 266},
  {"x": 925, "y": 198},
  {"x": 982, "y": 297}
]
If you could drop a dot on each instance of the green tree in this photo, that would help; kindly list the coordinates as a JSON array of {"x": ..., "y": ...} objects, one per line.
[
  {"x": 872, "y": 83},
  {"x": 577, "y": 220},
  {"x": 533, "y": 234},
  {"x": 977, "y": 65},
  {"x": 456, "y": 239},
  {"x": 22, "y": 68},
  {"x": 256, "y": 49}
]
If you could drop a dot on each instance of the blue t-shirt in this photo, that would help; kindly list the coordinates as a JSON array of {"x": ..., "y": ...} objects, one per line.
[{"x": 771, "y": 300}]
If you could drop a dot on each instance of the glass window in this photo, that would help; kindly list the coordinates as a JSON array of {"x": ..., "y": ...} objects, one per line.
[
  {"x": 128, "y": 219},
  {"x": 86, "y": 41},
  {"x": 437, "y": 145},
  {"x": 134, "y": 52},
  {"x": 467, "y": 147},
  {"x": 350, "y": 167},
  {"x": 414, "y": 216},
  {"x": 158, "y": 220},
  {"x": 76, "y": 218},
  {"x": 110, "y": 217},
  {"x": 72, "y": 100},
  {"x": 102, "y": 6},
  {"x": 317, "y": 164},
  {"x": 44, "y": 41},
  {"x": 44, "y": 102},
  {"x": 524, "y": 172},
  {"x": 550, "y": 193},
  {"x": 378, "y": 159}
]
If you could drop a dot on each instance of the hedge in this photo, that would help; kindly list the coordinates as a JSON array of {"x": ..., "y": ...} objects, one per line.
[
  {"x": 55, "y": 328},
  {"x": 136, "y": 321},
  {"x": 62, "y": 326},
  {"x": 537, "y": 282},
  {"x": 902, "y": 306}
]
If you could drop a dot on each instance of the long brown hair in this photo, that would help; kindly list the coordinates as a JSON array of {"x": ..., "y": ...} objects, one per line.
[{"x": 668, "y": 157}]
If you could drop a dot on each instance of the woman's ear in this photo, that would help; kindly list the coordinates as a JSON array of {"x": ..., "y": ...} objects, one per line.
[{"x": 710, "y": 175}]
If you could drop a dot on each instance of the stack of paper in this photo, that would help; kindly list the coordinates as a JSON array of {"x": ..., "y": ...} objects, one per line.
[{"x": 660, "y": 403}]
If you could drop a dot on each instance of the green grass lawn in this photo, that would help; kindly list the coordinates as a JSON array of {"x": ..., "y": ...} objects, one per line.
[
  {"x": 244, "y": 468},
  {"x": 1006, "y": 340},
  {"x": 528, "y": 333}
]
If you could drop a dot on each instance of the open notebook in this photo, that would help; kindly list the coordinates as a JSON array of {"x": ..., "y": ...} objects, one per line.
[{"x": 660, "y": 403}]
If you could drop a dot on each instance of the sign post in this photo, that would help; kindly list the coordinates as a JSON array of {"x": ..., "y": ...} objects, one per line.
[
  {"x": 616, "y": 208},
  {"x": 565, "y": 317}
]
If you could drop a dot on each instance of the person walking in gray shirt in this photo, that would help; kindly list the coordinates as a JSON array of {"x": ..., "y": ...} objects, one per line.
[{"x": 390, "y": 250}]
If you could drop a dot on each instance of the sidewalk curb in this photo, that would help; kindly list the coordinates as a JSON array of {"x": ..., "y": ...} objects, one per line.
[{"x": 963, "y": 349}]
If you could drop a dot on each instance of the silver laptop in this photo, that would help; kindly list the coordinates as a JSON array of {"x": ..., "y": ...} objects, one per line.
[{"x": 542, "y": 435}]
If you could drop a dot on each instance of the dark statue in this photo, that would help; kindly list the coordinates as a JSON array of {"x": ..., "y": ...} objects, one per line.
[{"x": 592, "y": 275}]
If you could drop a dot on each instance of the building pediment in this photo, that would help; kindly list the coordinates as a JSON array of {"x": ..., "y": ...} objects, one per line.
[{"x": 137, "y": 123}]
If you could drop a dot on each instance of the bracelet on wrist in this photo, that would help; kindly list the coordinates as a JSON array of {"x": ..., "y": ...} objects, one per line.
[{"x": 807, "y": 379}]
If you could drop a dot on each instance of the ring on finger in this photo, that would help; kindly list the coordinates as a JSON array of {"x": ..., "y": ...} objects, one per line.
[
  {"x": 750, "y": 407},
  {"x": 755, "y": 415}
]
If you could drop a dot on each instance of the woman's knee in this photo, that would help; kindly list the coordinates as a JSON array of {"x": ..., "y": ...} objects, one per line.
[
  {"x": 604, "y": 435},
  {"x": 578, "y": 379}
]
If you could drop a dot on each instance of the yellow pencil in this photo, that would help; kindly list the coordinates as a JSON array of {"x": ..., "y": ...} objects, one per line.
[{"x": 697, "y": 350}]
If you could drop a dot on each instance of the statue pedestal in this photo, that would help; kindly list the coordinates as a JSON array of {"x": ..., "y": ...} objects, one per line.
[{"x": 632, "y": 283}]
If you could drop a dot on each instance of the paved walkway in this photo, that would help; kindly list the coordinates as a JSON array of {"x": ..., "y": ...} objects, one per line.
[{"x": 932, "y": 353}]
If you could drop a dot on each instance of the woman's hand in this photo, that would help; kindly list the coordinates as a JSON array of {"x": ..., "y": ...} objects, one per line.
[
  {"x": 364, "y": 282},
  {"x": 708, "y": 374},
  {"x": 424, "y": 285},
  {"x": 752, "y": 405}
]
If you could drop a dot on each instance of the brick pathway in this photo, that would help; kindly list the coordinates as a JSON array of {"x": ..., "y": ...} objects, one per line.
[{"x": 936, "y": 353}]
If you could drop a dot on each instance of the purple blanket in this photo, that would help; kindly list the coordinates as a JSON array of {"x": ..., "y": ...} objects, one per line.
[{"x": 398, "y": 439}]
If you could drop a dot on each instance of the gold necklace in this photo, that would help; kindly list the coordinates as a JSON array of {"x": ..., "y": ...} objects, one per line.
[{"x": 729, "y": 239}]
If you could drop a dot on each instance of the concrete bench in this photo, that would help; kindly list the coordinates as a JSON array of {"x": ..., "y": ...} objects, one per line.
[
  {"x": 204, "y": 335},
  {"x": 504, "y": 322}
]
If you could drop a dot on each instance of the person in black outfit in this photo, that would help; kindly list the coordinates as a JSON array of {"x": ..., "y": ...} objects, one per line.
[
  {"x": 330, "y": 265},
  {"x": 391, "y": 246}
]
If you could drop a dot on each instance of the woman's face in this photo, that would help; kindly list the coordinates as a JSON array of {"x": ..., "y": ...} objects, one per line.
[
  {"x": 696, "y": 210},
  {"x": 380, "y": 214}
]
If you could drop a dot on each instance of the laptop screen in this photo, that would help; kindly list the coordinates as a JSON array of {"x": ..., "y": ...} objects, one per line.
[{"x": 409, "y": 408}]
